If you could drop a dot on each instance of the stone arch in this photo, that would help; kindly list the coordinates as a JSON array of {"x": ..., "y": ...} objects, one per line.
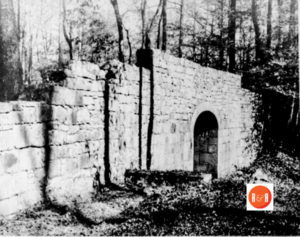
[{"x": 210, "y": 112}]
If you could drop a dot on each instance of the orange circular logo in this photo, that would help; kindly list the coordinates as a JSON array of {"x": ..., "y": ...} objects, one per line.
[{"x": 260, "y": 196}]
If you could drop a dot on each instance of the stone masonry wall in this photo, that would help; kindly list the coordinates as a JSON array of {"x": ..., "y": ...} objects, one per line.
[
  {"x": 21, "y": 155},
  {"x": 183, "y": 90},
  {"x": 76, "y": 131},
  {"x": 72, "y": 127}
]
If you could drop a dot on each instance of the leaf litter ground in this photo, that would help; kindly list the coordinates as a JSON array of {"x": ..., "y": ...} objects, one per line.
[{"x": 196, "y": 208}]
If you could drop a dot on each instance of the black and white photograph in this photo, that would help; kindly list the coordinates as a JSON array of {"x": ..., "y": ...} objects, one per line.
[{"x": 149, "y": 118}]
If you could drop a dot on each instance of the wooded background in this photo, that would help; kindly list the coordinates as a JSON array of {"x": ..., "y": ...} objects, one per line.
[{"x": 255, "y": 38}]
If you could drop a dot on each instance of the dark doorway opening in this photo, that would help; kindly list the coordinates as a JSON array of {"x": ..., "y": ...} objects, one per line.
[{"x": 206, "y": 144}]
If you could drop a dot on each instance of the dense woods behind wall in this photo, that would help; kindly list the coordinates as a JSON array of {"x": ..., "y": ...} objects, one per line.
[
  {"x": 242, "y": 36},
  {"x": 10, "y": 67}
]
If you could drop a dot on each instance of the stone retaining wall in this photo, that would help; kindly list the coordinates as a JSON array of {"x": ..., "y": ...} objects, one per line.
[
  {"x": 72, "y": 127},
  {"x": 183, "y": 90},
  {"x": 21, "y": 155}
]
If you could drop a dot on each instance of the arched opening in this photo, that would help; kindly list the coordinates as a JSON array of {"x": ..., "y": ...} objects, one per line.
[{"x": 206, "y": 144}]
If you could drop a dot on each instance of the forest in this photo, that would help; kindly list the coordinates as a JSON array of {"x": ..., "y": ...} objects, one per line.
[{"x": 257, "y": 39}]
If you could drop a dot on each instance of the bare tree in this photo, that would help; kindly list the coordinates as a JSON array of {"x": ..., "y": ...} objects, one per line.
[
  {"x": 269, "y": 25},
  {"x": 292, "y": 21},
  {"x": 143, "y": 17},
  {"x": 60, "y": 54},
  {"x": 258, "y": 42},
  {"x": 68, "y": 37},
  {"x": 231, "y": 35},
  {"x": 120, "y": 28},
  {"x": 158, "y": 38},
  {"x": 164, "y": 26},
  {"x": 30, "y": 62},
  {"x": 180, "y": 30},
  {"x": 151, "y": 24},
  {"x": 129, "y": 45},
  {"x": 11, "y": 82},
  {"x": 221, "y": 26},
  {"x": 279, "y": 5}
]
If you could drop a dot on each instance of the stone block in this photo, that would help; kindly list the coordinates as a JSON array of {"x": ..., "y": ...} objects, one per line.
[
  {"x": 69, "y": 166},
  {"x": 7, "y": 119},
  {"x": 31, "y": 159},
  {"x": 85, "y": 161},
  {"x": 84, "y": 69},
  {"x": 7, "y": 140},
  {"x": 29, "y": 198},
  {"x": 28, "y": 135},
  {"x": 65, "y": 96},
  {"x": 62, "y": 114},
  {"x": 19, "y": 202},
  {"x": 28, "y": 115},
  {"x": 68, "y": 150},
  {"x": 9, "y": 206},
  {"x": 77, "y": 83},
  {"x": 22, "y": 181},
  {"x": 24, "y": 105},
  {"x": 88, "y": 100},
  {"x": 82, "y": 116},
  {"x": 8, "y": 186},
  {"x": 5, "y": 107},
  {"x": 57, "y": 137},
  {"x": 55, "y": 168}
]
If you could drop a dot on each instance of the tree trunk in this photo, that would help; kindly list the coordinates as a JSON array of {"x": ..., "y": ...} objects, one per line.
[
  {"x": 150, "y": 26},
  {"x": 258, "y": 43},
  {"x": 67, "y": 37},
  {"x": 269, "y": 26},
  {"x": 158, "y": 33},
  {"x": 180, "y": 30},
  {"x": 143, "y": 15},
  {"x": 221, "y": 26},
  {"x": 60, "y": 56},
  {"x": 129, "y": 45},
  {"x": 279, "y": 4},
  {"x": 292, "y": 22},
  {"x": 30, "y": 60},
  {"x": 120, "y": 28},
  {"x": 164, "y": 26},
  {"x": 231, "y": 35},
  {"x": 194, "y": 41},
  {"x": 10, "y": 66},
  {"x": 19, "y": 34}
]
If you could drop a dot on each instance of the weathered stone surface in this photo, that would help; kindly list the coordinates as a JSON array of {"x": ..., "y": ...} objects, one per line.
[
  {"x": 65, "y": 96},
  {"x": 5, "y": 107},
  {"x": 75, "y": 128},
  {"x": 83, "y": 84},
  {"x": 10, "y": 206},
  {"x": 84, "y": 69},
  {"x": 62, "y": 115},
  {"x": 28, "y": 135}
]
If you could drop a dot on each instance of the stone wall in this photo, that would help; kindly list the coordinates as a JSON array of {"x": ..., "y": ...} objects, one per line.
[
  {"x": 76, "y": 131},
  {"x": 183, "y": 90},
  {"x": 21, "y": 155},
  {"x": 72, "y": 128}
]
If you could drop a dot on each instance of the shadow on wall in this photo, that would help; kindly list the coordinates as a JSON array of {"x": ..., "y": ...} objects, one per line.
[
  {"x": 145, "y": 60},
  {"x": 47, "y": 201},
  {"x": 48, "y": 127}
]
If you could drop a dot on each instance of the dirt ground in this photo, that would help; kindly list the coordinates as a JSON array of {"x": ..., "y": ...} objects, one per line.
[
  {"x": 57, "y": 221},
  {"x": 126, "y": 213},
  {"x": 216, "y": 208}
]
